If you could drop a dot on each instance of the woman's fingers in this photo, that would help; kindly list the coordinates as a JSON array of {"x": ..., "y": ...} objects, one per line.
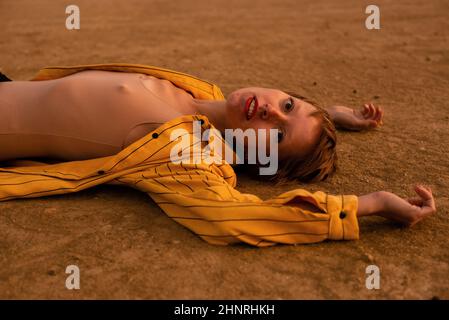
[
  {"x": 367, "y": 117},
  {"x": 416, "y": 201},
  {"x": 367, "y": 111},
  {"x": 380, "y": 114},
  {"x": 412, "y": 210},
  {"x": 374, "y": 112},
  {"x": 371, "y": 112},
  {"x": 381, "y": 121},
  {"x": 364, "y": 110},
  {"x": 428, "y": 202},
  {"x": 424, "y": 192}
]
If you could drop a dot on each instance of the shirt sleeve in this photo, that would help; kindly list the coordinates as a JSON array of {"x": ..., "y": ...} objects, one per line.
[{"x": 197, "y": 197}]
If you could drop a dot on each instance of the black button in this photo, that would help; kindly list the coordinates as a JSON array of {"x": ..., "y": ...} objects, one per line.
[
  {"x": 342, "y": 215},
  {"x": 155, "y": 135},
  {"x": 100, "y": 171}
]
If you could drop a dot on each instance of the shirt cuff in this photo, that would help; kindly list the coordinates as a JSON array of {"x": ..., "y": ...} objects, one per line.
[{"x": 343, "y": 223}]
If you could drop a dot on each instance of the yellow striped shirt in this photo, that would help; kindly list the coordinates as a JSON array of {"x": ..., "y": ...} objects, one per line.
[{"x": 200, "y": 196}]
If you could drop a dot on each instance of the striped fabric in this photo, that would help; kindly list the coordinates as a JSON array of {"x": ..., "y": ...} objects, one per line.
[{"x": 200, "y": 196}]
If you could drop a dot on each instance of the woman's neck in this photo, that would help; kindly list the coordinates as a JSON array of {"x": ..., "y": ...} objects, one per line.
[{"x": 214, "y": 110}]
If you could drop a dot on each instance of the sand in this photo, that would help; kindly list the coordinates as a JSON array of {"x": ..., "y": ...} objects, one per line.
[{"x": 124, "y": 244}]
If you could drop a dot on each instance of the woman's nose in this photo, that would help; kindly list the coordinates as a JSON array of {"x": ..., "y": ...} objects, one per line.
[{"x": 270, "y": 112}]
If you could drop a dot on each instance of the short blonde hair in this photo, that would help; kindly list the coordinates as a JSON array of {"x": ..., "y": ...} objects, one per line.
[{"x": 317, "y": 165}]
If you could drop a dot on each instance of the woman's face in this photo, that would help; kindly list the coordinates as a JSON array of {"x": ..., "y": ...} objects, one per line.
[{"x": 263, "y": 108}]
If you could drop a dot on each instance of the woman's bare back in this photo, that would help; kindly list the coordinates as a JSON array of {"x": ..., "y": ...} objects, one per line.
[{"x": 86, "y": 115}]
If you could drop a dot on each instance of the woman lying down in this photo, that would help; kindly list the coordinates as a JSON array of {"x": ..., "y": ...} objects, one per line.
[{"x": 73, "y": 128}]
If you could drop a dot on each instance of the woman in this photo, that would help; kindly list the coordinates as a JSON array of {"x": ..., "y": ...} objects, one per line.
[{"x": 90, "y": 112}]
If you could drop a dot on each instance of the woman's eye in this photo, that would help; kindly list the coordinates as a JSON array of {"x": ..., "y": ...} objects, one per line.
[
  {"x": 289, "y": 105},
  {"x": 280, "y": 136}
]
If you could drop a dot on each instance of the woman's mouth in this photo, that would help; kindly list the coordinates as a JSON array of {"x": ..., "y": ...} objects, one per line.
[{"x": 251, "y": 106}]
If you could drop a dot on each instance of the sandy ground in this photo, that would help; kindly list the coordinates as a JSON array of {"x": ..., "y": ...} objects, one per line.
[{"x": 124, "y": 244}]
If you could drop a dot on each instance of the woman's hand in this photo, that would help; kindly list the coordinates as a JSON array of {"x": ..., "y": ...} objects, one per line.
[
  {"x": 405, "y": 211},
  {"x": 367, "y": 117}
]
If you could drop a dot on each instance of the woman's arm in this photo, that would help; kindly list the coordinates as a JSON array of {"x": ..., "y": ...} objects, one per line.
[
  {"x": 197, "y": 197},
  {"x": 367, "y": 117},
  {"x": 405, "y": 211}
]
